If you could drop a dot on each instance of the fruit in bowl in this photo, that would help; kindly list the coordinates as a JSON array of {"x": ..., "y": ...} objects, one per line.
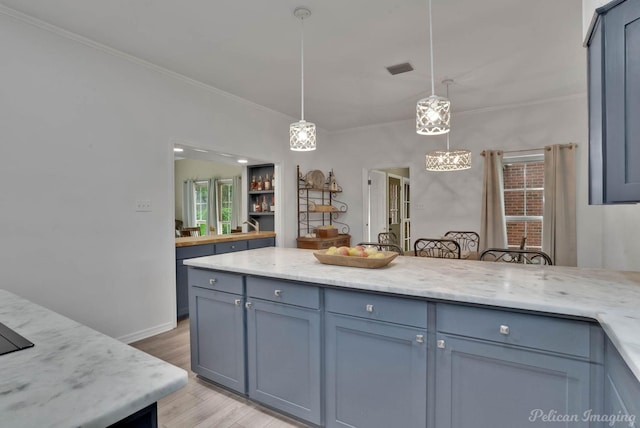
[{"x": 357, "y": 251}]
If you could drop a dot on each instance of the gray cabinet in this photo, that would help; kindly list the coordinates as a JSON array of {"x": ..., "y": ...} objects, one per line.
[
  {"x": 621, "y": 390},
  {"x": 283, "y": 346},
  {"x": 502, "y": 369},
  {"x": 376, "y": 361},
  {"x": 261, "y": 243},
  {"x": 614, "y": 104},
  {"x": 231, "y": 247},
  {"x": 182, "y": 287},
  {"x": 217, "y": 327},
  {"x": 182, "y": 253}
]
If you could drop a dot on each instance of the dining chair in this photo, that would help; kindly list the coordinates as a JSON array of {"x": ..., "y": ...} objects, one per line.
[
  {"x": 468, "y": 241},
  {"x": 509, "y": 255},
  {"x": 388, "y": 238},
  {"x": 190, "y": 231},
  {"x": 383, "y": 247},
  {"x": 439, "y": 248}
]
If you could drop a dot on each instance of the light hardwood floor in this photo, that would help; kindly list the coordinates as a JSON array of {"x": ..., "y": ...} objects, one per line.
[{"x": 201, "y": 404}]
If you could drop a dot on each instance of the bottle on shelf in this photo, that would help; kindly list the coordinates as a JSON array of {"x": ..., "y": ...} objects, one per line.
[
  {"x": 273, "y": 182},
  {"x": 260, "y": 184},
  {"x": 254, "y": 185},
  {"x": 267, "y": 183},
  {"x": 257, "y": 207},
  {"x": 273, "y": 204},
  {"x": 265, "y": 206}
]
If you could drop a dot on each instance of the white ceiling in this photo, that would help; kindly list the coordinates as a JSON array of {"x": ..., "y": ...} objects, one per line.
[{"x": 499, "y": 52}]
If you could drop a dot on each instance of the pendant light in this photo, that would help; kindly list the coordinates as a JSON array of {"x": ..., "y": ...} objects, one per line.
[
  {"x": 433, "y": 112},
  {"x": 449, "y": 160},
  {"x": 302, "y": 134}
]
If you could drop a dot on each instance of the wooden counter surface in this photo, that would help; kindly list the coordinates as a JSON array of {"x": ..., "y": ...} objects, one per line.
[{"x": 187, "y": 241}]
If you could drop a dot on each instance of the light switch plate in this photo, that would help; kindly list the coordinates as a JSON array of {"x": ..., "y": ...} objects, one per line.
[{"x": 143, "y": 205}]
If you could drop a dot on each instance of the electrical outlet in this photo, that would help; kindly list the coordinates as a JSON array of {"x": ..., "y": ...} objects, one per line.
[{"x": 143, "y": 205}]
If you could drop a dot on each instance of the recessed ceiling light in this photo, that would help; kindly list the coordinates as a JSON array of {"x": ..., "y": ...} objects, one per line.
[
  {"x": 178, "y": 149},
  {"x": 200, "y": 150},
  {"x": 242, "y": 161},
  {"x": 226, "y": 155}
]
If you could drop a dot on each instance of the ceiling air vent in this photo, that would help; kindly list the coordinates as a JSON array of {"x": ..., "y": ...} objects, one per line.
[{"x": 400, "y": 68}]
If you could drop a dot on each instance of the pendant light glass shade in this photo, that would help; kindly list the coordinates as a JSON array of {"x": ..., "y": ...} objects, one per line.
[
  {"x": 450, "y": 160},
  {"x": 432, "y": 113},
  {"x": 302, "y": 134}
]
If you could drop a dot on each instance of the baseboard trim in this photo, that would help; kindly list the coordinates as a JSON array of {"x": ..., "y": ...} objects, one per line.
[{"x": 148, "y": 332}]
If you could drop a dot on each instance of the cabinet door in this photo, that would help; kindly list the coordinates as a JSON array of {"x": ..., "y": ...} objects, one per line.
[
  {"x": 376, "y": 374},
  {"x": 283, "y": 344},
  {"x": 622, "y": 102},
  {"x": 231, "y": 247},
  {"x": 491, "y": 385},
  {"x": 261, "y": 243},
  {"x": 614, "y": 85},
  {"x": 182, "y": 290},
  {"x": 621, "y": 391},
  {"x": 217, "y": 337}
]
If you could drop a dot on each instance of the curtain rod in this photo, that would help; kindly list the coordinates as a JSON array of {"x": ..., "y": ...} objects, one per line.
[{"x": 540, "y": 149}]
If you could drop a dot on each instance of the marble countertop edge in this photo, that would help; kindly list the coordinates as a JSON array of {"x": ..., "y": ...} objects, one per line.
[{"x": 74, "y": 375}]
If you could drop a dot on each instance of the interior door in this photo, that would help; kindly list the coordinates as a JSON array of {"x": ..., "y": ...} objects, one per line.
[{"x": 377, "y": 204}]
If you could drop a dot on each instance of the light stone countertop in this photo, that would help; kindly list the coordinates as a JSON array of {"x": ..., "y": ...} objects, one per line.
[
  {"x": 610, "y": 297},
  {"x": 74, "y": 376}
]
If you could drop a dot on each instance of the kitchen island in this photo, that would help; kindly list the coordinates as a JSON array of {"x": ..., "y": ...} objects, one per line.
[
  {"x": 568, "y": 323},
  {"x": 74, "y": 376}
]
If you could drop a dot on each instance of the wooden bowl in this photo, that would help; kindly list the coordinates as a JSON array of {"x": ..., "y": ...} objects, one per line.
[{"x": 352, "y": 261}]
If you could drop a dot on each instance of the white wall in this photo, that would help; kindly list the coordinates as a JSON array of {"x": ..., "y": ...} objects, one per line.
[
  {"x": 607, "y": 235},
  {"x": 446, "y": 201},
  {"x": 84, "y": 134}
]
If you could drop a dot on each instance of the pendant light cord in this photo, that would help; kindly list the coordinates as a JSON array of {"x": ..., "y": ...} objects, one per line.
[
  {"x": 433, "y": 91},
  {"x": 302, "y": 69}
]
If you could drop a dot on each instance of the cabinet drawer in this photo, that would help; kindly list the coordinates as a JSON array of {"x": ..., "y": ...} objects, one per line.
[
  {"x": 377, "y": 307},
  {"x": 290, "y": 293},
  {"x": 519, "y": 329},
  {"x": 230, "y": 247},
  {"x": 215, "y": 280},
  {"x": 194, "y": 251},
  {"x": 261, "y": 243}
]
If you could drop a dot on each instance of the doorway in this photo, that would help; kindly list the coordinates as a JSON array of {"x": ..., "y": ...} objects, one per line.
[{"x": 387, "y": 204}]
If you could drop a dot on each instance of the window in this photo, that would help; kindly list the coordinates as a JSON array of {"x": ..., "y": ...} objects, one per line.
[
  {"x": 202, "y": 204},
  {"x": 225, "y": 203},
  {"x": 523, "y": 178}
]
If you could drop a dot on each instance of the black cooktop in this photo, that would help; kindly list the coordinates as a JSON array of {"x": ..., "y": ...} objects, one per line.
[{"x": 11, "y": 341}]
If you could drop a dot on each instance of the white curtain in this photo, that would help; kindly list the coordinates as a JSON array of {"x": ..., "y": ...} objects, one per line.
[
  {"x": 236, "y": 201},
  {"x": 559, "y": 217},
  {"x": 188, "y": 203},
  {"x": 212, "y": 210},
  {"x": 493, "y": 226}
]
